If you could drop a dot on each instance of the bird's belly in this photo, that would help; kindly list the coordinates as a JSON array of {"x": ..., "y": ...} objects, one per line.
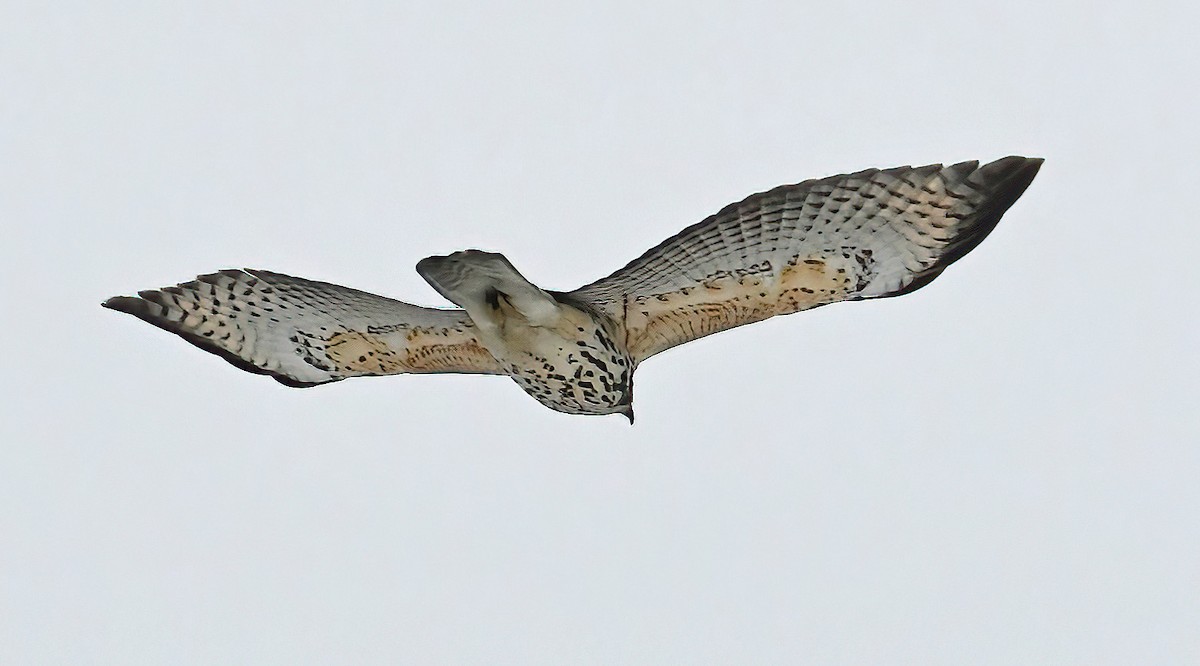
[{"x": 581, "y": 374}]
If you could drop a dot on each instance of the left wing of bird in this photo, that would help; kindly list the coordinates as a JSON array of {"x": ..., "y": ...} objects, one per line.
[{"x": 305, "y": 332}]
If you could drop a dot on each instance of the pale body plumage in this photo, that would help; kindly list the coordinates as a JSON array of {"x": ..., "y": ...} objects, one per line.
[{"x": 867, "y": 235}]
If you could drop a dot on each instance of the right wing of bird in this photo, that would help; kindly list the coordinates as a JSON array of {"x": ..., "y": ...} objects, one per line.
[{"x": 871, "y": 234}]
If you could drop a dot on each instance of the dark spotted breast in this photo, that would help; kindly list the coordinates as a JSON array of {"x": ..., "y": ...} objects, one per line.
[{"x": 587, "y": 375}]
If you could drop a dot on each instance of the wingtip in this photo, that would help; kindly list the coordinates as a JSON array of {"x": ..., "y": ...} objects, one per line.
[
  {"x": 1034, "y": 164},
  {"x": 1012, "y": 165},
  {"x": 1007, "y": 179},
  {"x": 1020, "y": 174},
  {"x": 120, "y": 303}
]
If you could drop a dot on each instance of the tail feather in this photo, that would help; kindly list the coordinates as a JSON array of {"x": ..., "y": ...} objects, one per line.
[{"x": 476, "y": 281}]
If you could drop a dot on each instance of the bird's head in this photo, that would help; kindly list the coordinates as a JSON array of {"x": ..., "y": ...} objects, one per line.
[{"x": 626, "y": 404}]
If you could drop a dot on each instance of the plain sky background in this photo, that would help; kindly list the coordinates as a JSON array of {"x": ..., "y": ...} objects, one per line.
[{"x": 1002, "y": 468}]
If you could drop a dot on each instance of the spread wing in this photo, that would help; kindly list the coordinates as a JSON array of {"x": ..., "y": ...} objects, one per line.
[
  {"x": 305, "y": 333},
  {"x": 871, "y": 234}
]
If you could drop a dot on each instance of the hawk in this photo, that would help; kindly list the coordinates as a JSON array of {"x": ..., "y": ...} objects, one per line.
[{"x": 871, "y": 234}]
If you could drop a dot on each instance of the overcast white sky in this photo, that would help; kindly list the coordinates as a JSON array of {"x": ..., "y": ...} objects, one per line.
[{"x": 1002, "y": 468}]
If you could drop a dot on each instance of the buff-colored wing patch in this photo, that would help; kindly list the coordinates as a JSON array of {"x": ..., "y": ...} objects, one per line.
[
  {"x": 727, "y": 300},
  {"x": 424, "y": 350}
]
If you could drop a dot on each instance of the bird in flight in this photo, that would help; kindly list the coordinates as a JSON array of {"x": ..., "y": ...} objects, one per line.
[{"x": 872, "y": 234}]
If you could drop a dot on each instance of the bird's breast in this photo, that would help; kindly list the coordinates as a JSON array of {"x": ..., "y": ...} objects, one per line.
[{"x": 573, "y": 366}]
